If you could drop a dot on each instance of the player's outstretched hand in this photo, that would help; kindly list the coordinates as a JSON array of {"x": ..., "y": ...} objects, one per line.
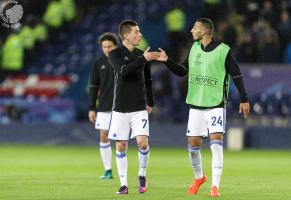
[
  {"x": 149, "y": 56},
  {"x": 149, "y": 109},
  {"x": 92, "y": 116},
  {"x": 245, "y": 109},
  {"x": 163, "y": 56}
]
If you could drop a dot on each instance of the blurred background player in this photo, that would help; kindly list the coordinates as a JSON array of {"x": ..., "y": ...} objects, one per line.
[
  {"x": 133, "y": 101},
  {"x": 209, "y": 65},
  {"x": 101, "y": 86}
]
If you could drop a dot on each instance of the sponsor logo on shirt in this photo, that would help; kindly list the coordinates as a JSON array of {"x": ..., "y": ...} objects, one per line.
[
  {"x": 103, "y": 67},
  {"x": 125, "y": 58}
]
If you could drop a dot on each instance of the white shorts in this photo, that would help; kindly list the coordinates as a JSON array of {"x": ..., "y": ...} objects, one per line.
[
  {"x": 204, "y": 122},
  {"x": 123, "y": 123},
  {"x": 103, "y": 120}
]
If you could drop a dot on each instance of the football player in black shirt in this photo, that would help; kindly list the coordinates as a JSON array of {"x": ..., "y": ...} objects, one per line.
[
  {"x": 101, "y": 86},
  {"x": 133, "y": 100}
]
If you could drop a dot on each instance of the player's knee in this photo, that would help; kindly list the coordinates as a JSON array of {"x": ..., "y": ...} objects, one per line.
[
  {"x": 142, "y": 144},
  {"x": 194, "y": 141},
  {"x": 121, "y": 146},
  {"x": 143, "y": 147},
  {"x": 104, "y": 136},
  {"x": 104, "y": 139},
  {"x": 216, "y": 136}
]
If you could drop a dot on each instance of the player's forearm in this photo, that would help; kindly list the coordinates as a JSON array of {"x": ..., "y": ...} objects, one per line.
[
  {"x": 148, "y": 85},
  {"x": 150, "y": 102},
  {"x": 133, "y": 67},
  {"x": 93, "y": 93},
  {"x": 126, "y": 69},
  {"x": 177, "y": 69},
  {"x": 233, "y": 69},
  {"x": 239, "y": 84},
  {"x": 149, "y": 93}
]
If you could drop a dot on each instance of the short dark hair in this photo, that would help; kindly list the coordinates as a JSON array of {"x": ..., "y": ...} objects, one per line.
[
  {"x": 207, "y": 23},
  {"x": 112, "y": 37},
  {"x": 125, "y": 27}
]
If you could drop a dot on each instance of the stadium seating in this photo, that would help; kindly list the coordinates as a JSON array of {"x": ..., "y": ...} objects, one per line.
[
  {"x": 61, "y": 68},
  {"x": 34, "y": 85}
]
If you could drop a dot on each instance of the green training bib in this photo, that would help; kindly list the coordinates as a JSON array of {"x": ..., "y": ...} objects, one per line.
[{"x": 208, "y": 80}]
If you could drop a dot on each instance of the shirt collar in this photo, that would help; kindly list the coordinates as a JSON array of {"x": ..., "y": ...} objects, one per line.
[{"x": 211, "y": 46}]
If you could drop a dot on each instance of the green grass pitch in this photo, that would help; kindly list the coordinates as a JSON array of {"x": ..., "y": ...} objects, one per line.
[{"x": 70, "y": 172}]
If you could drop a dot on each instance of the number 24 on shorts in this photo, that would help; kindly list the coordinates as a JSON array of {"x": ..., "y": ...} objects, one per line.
[{"x": 216, "y": 121}]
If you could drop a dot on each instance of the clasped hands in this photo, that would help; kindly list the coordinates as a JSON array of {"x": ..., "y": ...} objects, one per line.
[{"x": 155, "y": 55}]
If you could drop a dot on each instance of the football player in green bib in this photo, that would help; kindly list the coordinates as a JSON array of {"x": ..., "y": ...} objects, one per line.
[{"x": 209, "y": 66}]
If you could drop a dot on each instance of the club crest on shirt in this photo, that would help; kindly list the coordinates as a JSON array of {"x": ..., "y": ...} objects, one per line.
[{"x": 125, "y": 58}]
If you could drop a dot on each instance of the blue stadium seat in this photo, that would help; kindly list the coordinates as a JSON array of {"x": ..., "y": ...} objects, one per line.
[
  {"x": 285, "y": 105},
  {"x": 272, "y": 105},
  {"x": 257, "y": 103}
]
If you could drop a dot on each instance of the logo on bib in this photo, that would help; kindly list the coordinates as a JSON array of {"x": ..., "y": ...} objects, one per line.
[
  {"x": 203, "y": 80},
  {"x": 197, "y": 59}
]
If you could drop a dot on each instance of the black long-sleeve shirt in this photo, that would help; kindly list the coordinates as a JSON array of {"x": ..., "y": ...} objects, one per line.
[
  {"x": 231, "y": 67},
  {"x": 101, "y": 79},
  {"x": 133, "y": 83}
]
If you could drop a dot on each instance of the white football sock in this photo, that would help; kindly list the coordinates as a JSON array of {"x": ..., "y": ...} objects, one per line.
[
  {"x": 143, "y": 156},
  {"x": 121, "y": 161},
  {"x": 106, "y": 155},
  {"x": 217, "y": 161},
  {"x": 195, "y": 159}
]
